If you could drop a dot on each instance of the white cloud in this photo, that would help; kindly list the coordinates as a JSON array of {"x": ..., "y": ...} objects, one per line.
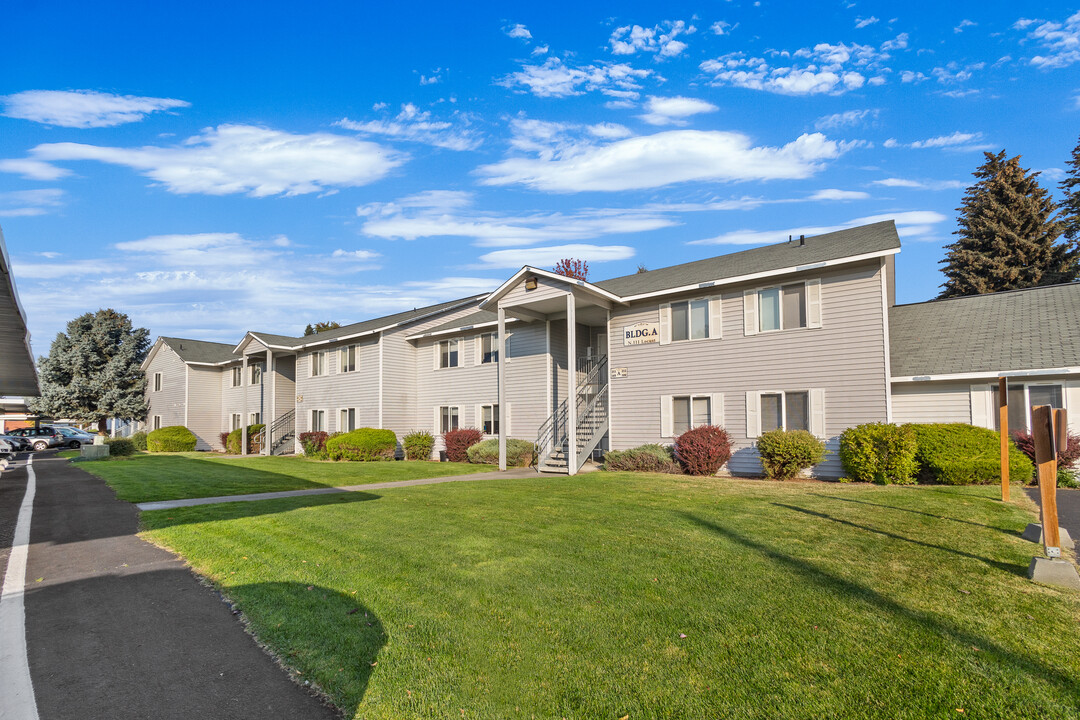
[
  {"x": 548, "y": 256},
  {"x": 848, "y": 118},
  {"x": 1059, "y": 41},
  {"x": 33, "y": 169},
  {"x": 539, "y": 50},
  {"x": 659, "y": 39},
  {"x": 66, "y": 269},
  {"x": 912, "y": 224},
  {"x": 83, "y": 108},
  {"x": 860, "y": 23},
  {"x": 910, "y": 76},
  {"x": 722, "y": 28},
  {"x": 414, "y": 125},
  {"x": 609, "y": 131},
  {"x": 244, "y": 159},
  {"x": 920, "y": 184},
  {"x": 674, "y": 110},
  {"x": 362, "y": 255},
  {"x": 965, "y": 23},
  {"x": 434, "y": 78},
  {"x": 900, "y": 42},
  {"x": 953, "y": 73},
  {"x": 29, "y": 203},
  {"x": 834, "y": 194},
  {"x": 663, "y": 159},
  {"x": 555, "y": 79},
  {"x": 519, "y": 31},
  {"x": 956, "y": 139}
]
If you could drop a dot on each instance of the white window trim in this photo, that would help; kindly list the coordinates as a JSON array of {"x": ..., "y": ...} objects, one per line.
[
  {"x": 325, "y": 418},
  {"x": 478, "y": 347},
  {"x": 460, "y": 351},
  {"x": 236, "y": 419},
  {"x": 252, "y": 369},
  {"x": 156, "y": 422},
  {"x": 990, "y": 411},
  {"x": 322, "y": 363},
  {"x": 716, "y": 320},
  {"x": 479, "y": 410},
  {"x": 667, "y": 410},
  {"x": 356, "y": 359},
  {"x": 356, "y": 416},
  {"x": 437, "y": 428},
  {"x": 252, "y": 420},
  {"x": 237, "y": 373},
  {"x": 752, "y": 315},
  {"x": 159, "y": 382},
  {"x": 815, "y": 410}
]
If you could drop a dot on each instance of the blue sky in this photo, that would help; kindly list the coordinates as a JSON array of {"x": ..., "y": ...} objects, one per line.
[{"x": 214, "y": 168}]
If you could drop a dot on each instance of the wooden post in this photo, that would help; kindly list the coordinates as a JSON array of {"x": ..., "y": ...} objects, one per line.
[
  {"x": 1003, "y": 424},
  {"x": 1042, "y": 430}
]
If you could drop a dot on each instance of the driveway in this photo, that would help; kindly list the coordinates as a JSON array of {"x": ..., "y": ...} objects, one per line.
[{"x": 1068, "y": 502}]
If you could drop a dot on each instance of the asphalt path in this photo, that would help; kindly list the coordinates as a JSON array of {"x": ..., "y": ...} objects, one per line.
[
  {"x": 118, "y": 628},
  {"x": 1068, "y": 503}
]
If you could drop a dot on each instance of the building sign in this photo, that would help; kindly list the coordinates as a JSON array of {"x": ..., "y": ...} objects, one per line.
[
  {"x": 641, "y": 334},
  {"x": 619, "y": 373}
]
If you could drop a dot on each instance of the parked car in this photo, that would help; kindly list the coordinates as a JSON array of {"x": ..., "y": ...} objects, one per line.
[
  {"x": 18, "y": 444},
  {"x": 41, "y": 438},
  {"x": 75, "y": 437}
]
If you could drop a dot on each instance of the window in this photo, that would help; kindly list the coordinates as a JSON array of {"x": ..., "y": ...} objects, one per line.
[
  {"x": 235, "y": 422},
  {"x": 785, "y": 411},
  {"x": 157, "y": 422},
  {"x": 254, "y": 418},
  {"x": 690, "y": 411},
  {"x": 318, "y": 421},
  {"x": 690, "y": 320},
  {"x": 157, "y": 382},
  {"x": 317, "y": 364},
  {"x": 489, "y": 419},
  {"x": 448, "y": 419},
  {"x": 237, "y": 376},
  {"x": 448, "y": 353},
  {"x": 256, "y": 375},
  {"x": 782, "y": 308},
  {"x": 347, "y": 420},
  {"x": 1023, "y": 397},
  {"x": 489, "y": 348},
  {"x": 347, "y": 357}
]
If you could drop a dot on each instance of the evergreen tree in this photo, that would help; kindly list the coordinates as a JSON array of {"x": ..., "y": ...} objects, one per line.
[
  {"x": 321, "y": 327},
  {"x": 1007, "y": 236},
  {"x": 1070, "y": 187},
  {"x": 92, "y": 372}
]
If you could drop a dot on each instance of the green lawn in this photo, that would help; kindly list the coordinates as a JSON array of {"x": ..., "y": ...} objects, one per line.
[
  {"x": 146, "y": 477},
  {"x": 609, "y": 595}
]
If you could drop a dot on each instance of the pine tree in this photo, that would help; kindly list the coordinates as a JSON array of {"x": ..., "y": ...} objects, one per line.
[
  {"x": 1070, "y": 187},
  {"x": 1007, "y": 236},
  {"x": 93, "y": 371}
]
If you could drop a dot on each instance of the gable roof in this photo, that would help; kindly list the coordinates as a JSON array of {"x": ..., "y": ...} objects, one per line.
[
  {"x": 200, "y": 351},
  {"x": 1018, "y": 330},
  {"x": 868, "y": 240}
]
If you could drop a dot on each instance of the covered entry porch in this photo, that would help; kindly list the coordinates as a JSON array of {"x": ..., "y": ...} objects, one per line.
[{"x": 268, "y": 387}]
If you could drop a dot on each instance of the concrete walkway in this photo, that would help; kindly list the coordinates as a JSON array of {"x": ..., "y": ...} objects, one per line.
[{"x": 516, "y": 473}]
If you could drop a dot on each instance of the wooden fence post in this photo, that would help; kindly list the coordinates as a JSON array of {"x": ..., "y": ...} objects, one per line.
[
  {"x": 1003, "y": 424},
  {"x": 1042, "y": 429}
]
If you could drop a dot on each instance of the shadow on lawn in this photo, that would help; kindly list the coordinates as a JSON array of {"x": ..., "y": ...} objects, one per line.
[
  {"x": 862, "y": 593},
  {"x": 920, "y": 512},
  {"x": 157, "y": 519},
  {"x": 1004, "y": 567}
]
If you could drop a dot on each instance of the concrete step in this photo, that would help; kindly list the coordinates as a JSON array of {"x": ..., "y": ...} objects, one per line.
[{"x": 555, "y": 470}]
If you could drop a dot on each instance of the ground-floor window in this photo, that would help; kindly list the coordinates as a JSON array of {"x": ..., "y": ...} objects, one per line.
[
  {"x": 234, "y": 422},
  {"x": 448, "y": 418},
  {"x": 318, "y": 421},
  {"x": 690, "y": 411},
  {"x": 254, "y": 418},
  {"x": 489, "y": 419},
  {"x": 347, "y": 420},
  {"x": 1022, "y": 397},
  {"x": 785, "y": 411},
  {"x": 157, "y": 422}
]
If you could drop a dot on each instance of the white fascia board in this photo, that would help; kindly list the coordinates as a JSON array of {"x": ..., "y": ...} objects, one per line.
[
  {"x": 152, "y": 354},
  {"x": 987, "y": 375},
  {"x": 528, "y": 269},
  {"x": 764, "y": 274},
  {"x": 461, "y": 329}
]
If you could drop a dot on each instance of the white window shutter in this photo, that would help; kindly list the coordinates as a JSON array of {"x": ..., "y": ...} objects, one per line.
[
  {"x": 716, "y": 318},
  {"x": 717, "y": 410},
  {"x": 750, "y": 318},
  {"x": 478, "y": 414},
  {"x": 665, "y": 324},
  {"x": 980, "y": 406},
  {"x": 813, "y": 303},
  {"x": 753, "y": 420},
  {"x": 817, "y": 413},
  {"x": 437, "y": 427},
  {"x": 478, "y": 350},
  {"x": 435, "y": 355},
  {"x": 507, "y": 429},
  {"x": 667, "y": 427},
  {"x": 1072, "y": 404}
]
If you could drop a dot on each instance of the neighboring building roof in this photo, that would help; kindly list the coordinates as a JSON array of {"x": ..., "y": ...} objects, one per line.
[
  {"x": 201, "y": 351},
  {"x": 868, "y": 239},
  {"x": 1032, "y": 329},
  {"x": 18, "y": 374},
  {"x": 480, "y": 317}
]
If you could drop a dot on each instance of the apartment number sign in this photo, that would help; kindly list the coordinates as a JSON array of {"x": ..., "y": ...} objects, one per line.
[{"x": 642, "y": 333}]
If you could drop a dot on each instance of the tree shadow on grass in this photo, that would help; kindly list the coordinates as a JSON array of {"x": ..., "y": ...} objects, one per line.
[
  {"x": 858, "y": 592},
  {"x": 1004, "y": 567},
  {"x": 920, "y": 512},
  {"x": 159, "y": 519}
]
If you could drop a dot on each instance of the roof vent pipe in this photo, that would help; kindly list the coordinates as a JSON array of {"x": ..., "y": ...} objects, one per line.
[{"x": 802, "y": 240}]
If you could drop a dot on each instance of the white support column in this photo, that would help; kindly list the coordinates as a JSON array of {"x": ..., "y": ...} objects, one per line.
[
  {"x": 501, "y": 375},
  {"x": 244, "y": 411},
  {"x": 270, "y": 379},
  {"x": 571, "y": 372}
]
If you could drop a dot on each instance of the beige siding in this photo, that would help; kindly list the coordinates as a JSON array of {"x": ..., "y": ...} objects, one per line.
[
  {"x": 844, "y": 357},
  {"x": 232, "y": 398},
  {"x": 336, "y": 390},
  {"x": 204, "y": 406},
  {"x": 169, "y": 402},
  {"x": 545, "y": 290},
  {"x": 931, "y": 402},
  {"x": 285, "y": 390}
]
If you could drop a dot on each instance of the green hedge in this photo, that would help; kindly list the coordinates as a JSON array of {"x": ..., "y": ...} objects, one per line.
[
  {"x": 363, "y": 444},
  {"x": 175, "y": 438},
  {"x": 138, "y": 440},
  {"x": 121, "y": 446},
  {"x": 644, "y": 458},
  {"x": 879, "y": 452},
  {"x": 961, "y": 454},
  {"x": 785, "y": 453},
  {"x": 418, "y": 445},
  {"x": 232, "y": 445},
  {"x": 519, "y": 453}
]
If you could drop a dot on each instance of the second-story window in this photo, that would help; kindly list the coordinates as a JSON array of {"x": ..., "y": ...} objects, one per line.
[
  {"x": 237, "y": 376},
  {"x": 256, "y": 374},
  {"x": 448, "y": 353},
  {"x": 157, "y": 382},
  {"x": 318, "y": 363},
  {"x": 347, "y": 358},
  {"x": 690, "y": 320},
  {"x": 489, "y": 348},
  {"x": 782, "y": 308}
]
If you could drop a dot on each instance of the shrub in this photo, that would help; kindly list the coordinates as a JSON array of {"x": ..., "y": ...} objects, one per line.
[
  {"x": 175, "y": 438},
  {"x": 519, "y": 453},
  {"x": 703, "y": 450},
  {"x": 224, "y": 438},
  {"x": 1066, "y": 478},
  {"x": 879, "y": 452},
  {"x": 459, "y": 441},
  {"x": 120, "y": 446},
  {"x": 232, "y": 445},
  {"x": 961, "y": 454},
  {"x": 786, "y": 453},
  {"x": 362, "y": 444},
  {"x": 138, "y": 440},
  {"x": 1066, "y": 457},
  {"x": 645, "y": 458},
  {"x": 418, "y": 445},
  {"x": 314, "y": 443}
]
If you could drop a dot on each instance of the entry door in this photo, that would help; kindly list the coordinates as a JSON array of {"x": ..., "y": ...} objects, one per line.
[{"x": 601, "y": 344}]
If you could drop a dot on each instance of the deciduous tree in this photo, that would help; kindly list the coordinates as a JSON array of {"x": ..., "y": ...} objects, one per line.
[{"x": 572, "y": 268}]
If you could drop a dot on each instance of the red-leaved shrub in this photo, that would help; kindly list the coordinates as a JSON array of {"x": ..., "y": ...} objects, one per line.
[
  {"x": 224, "y": 440},
  {"x": 1067, "y": 457},
  {"x": 313, "y": 442},
  {"x": 703, "y": 450},
  {"x": 459, "y": 441}
]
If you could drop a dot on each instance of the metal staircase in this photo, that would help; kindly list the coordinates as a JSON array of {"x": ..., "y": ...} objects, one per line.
[
  {"x": 282, "y": 433},
  {"x": 591, "y": 402}
]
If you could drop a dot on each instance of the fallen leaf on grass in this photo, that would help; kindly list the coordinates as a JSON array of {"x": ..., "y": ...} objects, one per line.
[
  {"x": 374, "y": 663},
  {"x": 353, "y": 611},
  {"x": 966, "y": 592},
  {"x": 310, "y": 587},
  {"x": 625, "y": 717},
  {"x": 681, "y": 635}
]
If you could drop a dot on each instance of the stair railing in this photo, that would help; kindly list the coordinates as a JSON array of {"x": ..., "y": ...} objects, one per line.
[{"x": 554, "y": 431}]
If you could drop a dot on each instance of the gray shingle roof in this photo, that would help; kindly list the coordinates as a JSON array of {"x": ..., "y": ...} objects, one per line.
[
  {"x": 200, "y": 351},
  {"x": 830, "y": 246},
  {"x": 479, "y": 317},
  {"x": 1028, "y": 329}
]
